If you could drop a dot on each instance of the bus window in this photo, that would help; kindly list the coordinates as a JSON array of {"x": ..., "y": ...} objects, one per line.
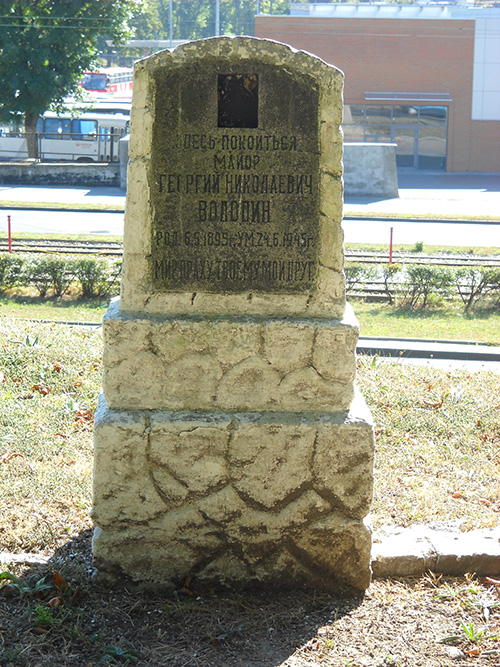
[
  {"x": 52, "y": 128},
  {"x": 83, "y": 130},
  {"x": 95, "y": 81},
  {"x": 65, "y": 130}
]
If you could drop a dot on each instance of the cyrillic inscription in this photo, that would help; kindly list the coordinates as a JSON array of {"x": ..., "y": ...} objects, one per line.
[{"x": 235, "y": 205}]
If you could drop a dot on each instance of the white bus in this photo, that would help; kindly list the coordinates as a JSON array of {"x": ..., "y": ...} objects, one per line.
[{"x": 88, "y": 137}]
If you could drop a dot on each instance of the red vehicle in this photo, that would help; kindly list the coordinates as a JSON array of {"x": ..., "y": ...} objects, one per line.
[{"x": 113, "y": 80}]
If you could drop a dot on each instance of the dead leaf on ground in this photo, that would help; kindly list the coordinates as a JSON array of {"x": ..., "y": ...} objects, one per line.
[
  {"x": 60, "y": 583},
  {"x": 185, "y": 590},
  {"x": 84, "y": 419},
  {"x": 8, "y": 456},
  {"x": 56, "y": 601},
  {"x": 42, "y": 389},
  {"x": 439, "y": 404},
  {"x": 493, "y": 582}
]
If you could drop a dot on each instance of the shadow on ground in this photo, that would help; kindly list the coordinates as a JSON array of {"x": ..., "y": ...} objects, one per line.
[{"x": 74, "y": 622}]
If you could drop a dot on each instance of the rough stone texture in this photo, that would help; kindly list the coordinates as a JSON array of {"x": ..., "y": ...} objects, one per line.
[
  {"x": 230, "y": 443},
  {"x": 229, "y": 364},
  {"x": 175, "y": 100},
  {"x": 233, "y": 497},
  {"x": 439, "y": 548}
]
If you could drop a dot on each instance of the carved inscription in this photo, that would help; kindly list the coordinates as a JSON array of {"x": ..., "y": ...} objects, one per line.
[{"x": 235, "y": 209}]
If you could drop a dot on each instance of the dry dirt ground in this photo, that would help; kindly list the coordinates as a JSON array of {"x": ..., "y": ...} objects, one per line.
[{"x": 73, "y": 623}]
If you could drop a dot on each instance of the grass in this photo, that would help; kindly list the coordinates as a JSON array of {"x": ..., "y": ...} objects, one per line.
[
  {"x": 446, "y": 322},
  {"x": 376, "y": 319},
  {"x": 437, "y": 458},
  {"x": 48, "y": 236},
  {"x": 438, "y": 443},
  {"x": 63, "y": 206},
  {"x": 480, "y": 251},
  {"x": 437, "y": 435},
  {"x": 50, "y": 382},
  {"x": 416, "y": 216},
  {"x": 64, "y": 309}
]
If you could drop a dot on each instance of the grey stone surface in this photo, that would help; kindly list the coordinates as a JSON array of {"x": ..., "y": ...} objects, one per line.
[
  {"x": 439, "y": 548},
  {"x": 228, "y": 217},
  {"x": 233, "y": 497},
  {"x": 230, "y": 442},
  {"x": 229, "y": 363}
]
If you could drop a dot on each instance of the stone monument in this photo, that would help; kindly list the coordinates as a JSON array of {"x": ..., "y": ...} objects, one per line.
[{"x": 230, "y": 441}]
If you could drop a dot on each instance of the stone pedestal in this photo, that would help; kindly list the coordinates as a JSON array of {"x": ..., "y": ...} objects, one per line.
[{"x": 231, "y": 443}]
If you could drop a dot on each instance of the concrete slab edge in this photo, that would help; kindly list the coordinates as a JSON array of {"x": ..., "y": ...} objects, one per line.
[{"x": 440, "y": 548}]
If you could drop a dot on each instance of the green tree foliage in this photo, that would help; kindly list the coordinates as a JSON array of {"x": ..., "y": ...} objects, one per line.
[
  {"x": 196, "y": 19},
  {"x": 45, "y": 45}
]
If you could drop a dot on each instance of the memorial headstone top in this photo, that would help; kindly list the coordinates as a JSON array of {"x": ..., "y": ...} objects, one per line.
[{"x": 234, "y": 200}]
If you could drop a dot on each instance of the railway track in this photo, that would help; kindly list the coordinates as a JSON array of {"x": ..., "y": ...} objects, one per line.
[
  {"x": 111, "y": 248},
  {"x": 439, "y": 259},
  {"x": 64, "y": 247}
]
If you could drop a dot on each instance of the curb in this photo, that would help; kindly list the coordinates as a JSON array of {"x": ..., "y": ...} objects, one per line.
[
  {"x": 427, "y": 349},
  {"x": 440, "y": 548}
]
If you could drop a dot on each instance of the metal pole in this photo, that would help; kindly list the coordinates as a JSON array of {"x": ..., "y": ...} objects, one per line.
[
  {"x": 258, "y": 7},
  {"x": 217, "y": 18},
  {"x": 9, "y": 233},
  {"x": 390, "y": 247},
  {"x": 171, "y": 24}
]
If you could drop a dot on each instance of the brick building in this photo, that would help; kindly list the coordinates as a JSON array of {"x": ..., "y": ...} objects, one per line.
[{"x": 425, "y": 77}]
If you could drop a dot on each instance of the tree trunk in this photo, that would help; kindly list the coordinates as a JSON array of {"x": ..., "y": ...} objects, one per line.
[{"x": 30, "y": 121}]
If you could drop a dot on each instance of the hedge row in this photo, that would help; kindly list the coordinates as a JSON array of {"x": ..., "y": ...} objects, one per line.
[
  {"x": 54, "y": 274},
  {"x": 413, "y": 285}
]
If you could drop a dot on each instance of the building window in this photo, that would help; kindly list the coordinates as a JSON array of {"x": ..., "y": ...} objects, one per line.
[{"x": 419, "y": 131}]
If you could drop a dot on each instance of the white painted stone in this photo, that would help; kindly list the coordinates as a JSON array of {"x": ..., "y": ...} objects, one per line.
[{"x": 231, "y": 443}]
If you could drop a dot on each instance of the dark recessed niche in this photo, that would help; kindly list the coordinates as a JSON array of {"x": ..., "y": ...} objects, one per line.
[{"x": 238, "y": 100}]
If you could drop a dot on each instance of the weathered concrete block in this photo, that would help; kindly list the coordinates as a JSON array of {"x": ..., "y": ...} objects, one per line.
[
  {"x": 230, "y": 441},
  {"x": 251, "y": 489},
  {"x": 229, "y": 364}
]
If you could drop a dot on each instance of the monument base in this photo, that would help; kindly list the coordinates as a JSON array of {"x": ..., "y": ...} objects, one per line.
[{"x": 233, "y": 498}]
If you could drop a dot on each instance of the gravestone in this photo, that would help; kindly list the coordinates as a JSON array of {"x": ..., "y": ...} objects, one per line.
[{"x": 231, "y": 443}]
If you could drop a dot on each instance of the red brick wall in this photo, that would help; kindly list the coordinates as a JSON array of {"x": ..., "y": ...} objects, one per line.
[{"x": 403, "y": 55}]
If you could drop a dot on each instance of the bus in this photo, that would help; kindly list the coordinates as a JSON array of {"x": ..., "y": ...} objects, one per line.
[
  {"x": 88, "y": 137},
  {"x": 111, "y": 80}
]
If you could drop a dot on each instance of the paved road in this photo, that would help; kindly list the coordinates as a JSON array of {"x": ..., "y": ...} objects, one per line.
[
  {"x": 61, "y": 222},
  {"x": 408, "y": 233}
]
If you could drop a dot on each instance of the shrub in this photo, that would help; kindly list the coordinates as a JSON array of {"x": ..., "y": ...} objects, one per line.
[
  {"x": 37, "y": 274},
  {"x": 356, "y": 273},
  {"x": 97, "y": 277},
  {"x": 62, "y": 274},
  {"x": 389, "y": 272},
  {"x": 424, "y": 280},
  {"x": 12, "y": 273},
  {"x": 474, "y": 282},
  {"x": 50, "y": 272}
]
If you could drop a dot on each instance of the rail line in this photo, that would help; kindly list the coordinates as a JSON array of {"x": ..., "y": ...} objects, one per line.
[
  {"x": 64, "y": 247},
  {"x": 114, "y": 248}
]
